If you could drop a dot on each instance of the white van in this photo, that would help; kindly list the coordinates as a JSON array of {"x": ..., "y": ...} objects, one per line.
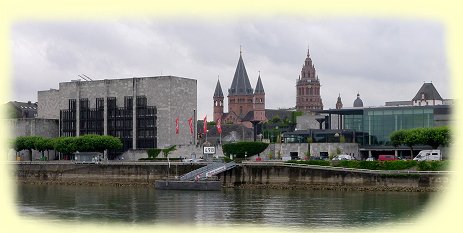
[{"x": 428, "y": 155}]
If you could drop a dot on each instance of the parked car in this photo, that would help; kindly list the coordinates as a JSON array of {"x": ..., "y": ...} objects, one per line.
[
  {"x": 387, "y": 158},
  {"x": 370, "y": 159},
  {"x": 428, "y": 155},
  {"x": 343, "y": 157},
  {"x": 192, "y": 160}
]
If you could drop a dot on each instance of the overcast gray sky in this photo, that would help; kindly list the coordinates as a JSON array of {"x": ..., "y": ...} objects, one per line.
[{"x": 382, "y": 59}]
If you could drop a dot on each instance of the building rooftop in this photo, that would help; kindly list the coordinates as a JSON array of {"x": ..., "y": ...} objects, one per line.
[
  {"x": 427, "y": 92},
  {"x": 240, "y": 84},
  {"x": 218, "y": 90}
]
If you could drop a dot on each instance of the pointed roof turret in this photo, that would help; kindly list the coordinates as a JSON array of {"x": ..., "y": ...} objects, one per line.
[
  {"x": 259, "y": 86},
  {"x": 218, "y": 90},
  {"x": 240, "y": 84},
  {"x": 427, "y": 92}
]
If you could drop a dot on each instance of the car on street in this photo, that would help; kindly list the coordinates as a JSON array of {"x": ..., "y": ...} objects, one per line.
[{"x": 343, "y": 157}]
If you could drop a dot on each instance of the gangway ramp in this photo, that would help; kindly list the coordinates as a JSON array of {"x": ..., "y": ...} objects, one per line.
[{"x": 207, "y": 171}]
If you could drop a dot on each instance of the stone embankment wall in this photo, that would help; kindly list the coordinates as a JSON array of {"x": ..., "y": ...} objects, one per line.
[
  {"x": 244, "y": 176},
  {"x": 264, "y": 176},
  {"x": 100, "y": 174}
]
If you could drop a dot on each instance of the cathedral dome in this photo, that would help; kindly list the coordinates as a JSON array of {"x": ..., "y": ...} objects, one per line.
[{"x": 358, "y": 102}]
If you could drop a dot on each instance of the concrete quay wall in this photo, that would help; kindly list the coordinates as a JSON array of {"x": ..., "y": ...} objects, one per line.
[
  {"x": 279, "y": 176},
  {"x": 243, "y": 176},
  {"x": 100, "y": 174}
]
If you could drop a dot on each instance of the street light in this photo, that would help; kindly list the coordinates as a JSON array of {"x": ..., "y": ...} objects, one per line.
[{"x": 336, "y": 135}]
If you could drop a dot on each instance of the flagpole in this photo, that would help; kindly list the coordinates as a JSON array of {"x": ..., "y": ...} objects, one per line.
[{"x": 194, "y": 127}]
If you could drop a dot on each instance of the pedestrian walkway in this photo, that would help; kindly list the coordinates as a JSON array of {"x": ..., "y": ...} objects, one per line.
[{"x": 208, "y": 171}]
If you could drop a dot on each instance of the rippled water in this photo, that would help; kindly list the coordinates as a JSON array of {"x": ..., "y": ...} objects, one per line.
[{"x": 289, "y": 208}]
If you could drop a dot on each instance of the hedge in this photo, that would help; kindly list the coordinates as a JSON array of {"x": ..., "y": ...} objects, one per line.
[
  {"x": 239, "y": 149},
  {"x": 381, "y": 165},
  {"x": 311, "y": 162}
]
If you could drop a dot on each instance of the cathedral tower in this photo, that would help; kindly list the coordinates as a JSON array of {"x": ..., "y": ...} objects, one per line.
[
  {"x": 240, "y": 94},
  {"x": 259, "y": 101},
  {"x": 218, "y": 102},
  {"x": 308, "y": 88}
]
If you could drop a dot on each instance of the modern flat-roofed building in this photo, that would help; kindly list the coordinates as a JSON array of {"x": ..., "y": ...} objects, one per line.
[
  {"x": 371, "y": 127},
  {"x": 142, "y": 112}
]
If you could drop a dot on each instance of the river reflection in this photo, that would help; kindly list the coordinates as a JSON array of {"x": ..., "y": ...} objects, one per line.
[{"x": 289, "y": 208}]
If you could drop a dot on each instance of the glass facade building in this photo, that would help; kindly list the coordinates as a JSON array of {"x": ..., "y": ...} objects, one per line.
[{"x": 373, "y": 126}]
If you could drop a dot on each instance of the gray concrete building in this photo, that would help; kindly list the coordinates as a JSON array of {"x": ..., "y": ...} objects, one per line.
[
  {"x": 141, "y": 111},
  {"x": 47, "y": 128}
]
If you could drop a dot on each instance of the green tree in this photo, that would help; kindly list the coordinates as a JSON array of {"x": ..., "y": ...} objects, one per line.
[
  {"x": 435, "y": 137},
  {"x": 100, "y": 143},
  {"x": 43, "y": 144},
  {"x": 276, "y": 119},
  {"x": 65, "y": 145},
  {"x": 18, "y": 144},
  {"x": 398, "y": 137},
  {"x": 240, "y": 149},
  {"x": 413, "y": 137},
  {"x": 26, "y": 143}
]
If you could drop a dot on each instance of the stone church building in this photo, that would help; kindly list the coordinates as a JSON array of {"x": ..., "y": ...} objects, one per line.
[{"x": 245, "y": 104}]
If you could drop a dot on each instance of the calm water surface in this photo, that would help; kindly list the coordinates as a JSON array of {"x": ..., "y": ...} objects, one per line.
[{"x": 288, "y": 208}]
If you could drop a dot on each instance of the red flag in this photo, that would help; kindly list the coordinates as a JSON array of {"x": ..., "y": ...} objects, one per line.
[
  {"x": 219, "y": 126},
  {"x": 176, "y": 126},
  {"x": 205, "y": 124},
  {"x": 190, "y": 122}
]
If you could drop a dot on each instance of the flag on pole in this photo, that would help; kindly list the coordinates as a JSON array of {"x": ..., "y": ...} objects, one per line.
[
  {"x": 219, "y": 126},
  {"x": 190, "y": 122},
  {"x": 205, "y": 124},
  {"x": 176, "y": 126}
]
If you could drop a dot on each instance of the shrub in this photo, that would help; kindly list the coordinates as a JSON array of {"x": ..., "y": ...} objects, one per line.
[
  {"x": 433, "y": 165},
  {"x": 159, "y": 159},
  {"x": 376, "y": 165},
  {"x": 153, "y": 153},
  {"x": 239, "y": 149},
  {"x": 167, "y": 151},
  {"x": 311, "y": 162}
]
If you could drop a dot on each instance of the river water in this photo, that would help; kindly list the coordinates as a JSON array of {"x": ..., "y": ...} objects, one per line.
[{"x": 289, "y": 208}]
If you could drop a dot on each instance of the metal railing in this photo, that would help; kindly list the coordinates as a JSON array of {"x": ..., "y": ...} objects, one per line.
[
  {"x": 191, "y": 175},
  {"x": 207, "y": 171},
  {"x": 365, "y": 170}
]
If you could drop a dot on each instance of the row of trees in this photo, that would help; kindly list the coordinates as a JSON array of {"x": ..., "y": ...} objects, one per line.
[
  {"x": 66, "y": 145},
  {"x": 433, "y": 137}
]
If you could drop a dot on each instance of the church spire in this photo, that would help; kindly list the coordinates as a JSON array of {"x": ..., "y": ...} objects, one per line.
[
  {"x": 308, "y": 50},
  {"x": 218, "y": 89},
  {"x": 259, "y": 86},
  {"x": 240, "y": 84}
]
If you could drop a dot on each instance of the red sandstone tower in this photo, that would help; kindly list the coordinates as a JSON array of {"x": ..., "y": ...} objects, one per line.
[
  {"x": 218, "y": 102},
  {"x": 259, "y": 101},
  {"x": 240, "y": 94},
  {"x": 308, "y": 88}
]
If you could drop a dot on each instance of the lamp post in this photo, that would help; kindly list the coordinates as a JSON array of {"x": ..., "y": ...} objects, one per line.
[
  {"x": 254, "y": 126},
  {"x": 336, "y": 135},
  {"x": 277, "y": 134}
]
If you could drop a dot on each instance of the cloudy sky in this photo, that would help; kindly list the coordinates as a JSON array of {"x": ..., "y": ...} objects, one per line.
[{"x": 382, "y": 59}]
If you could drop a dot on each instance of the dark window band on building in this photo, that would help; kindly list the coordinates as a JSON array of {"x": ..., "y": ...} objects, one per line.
[
  {"x": 119, "y": 121},
  {"x": 68, "y": 120}
]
